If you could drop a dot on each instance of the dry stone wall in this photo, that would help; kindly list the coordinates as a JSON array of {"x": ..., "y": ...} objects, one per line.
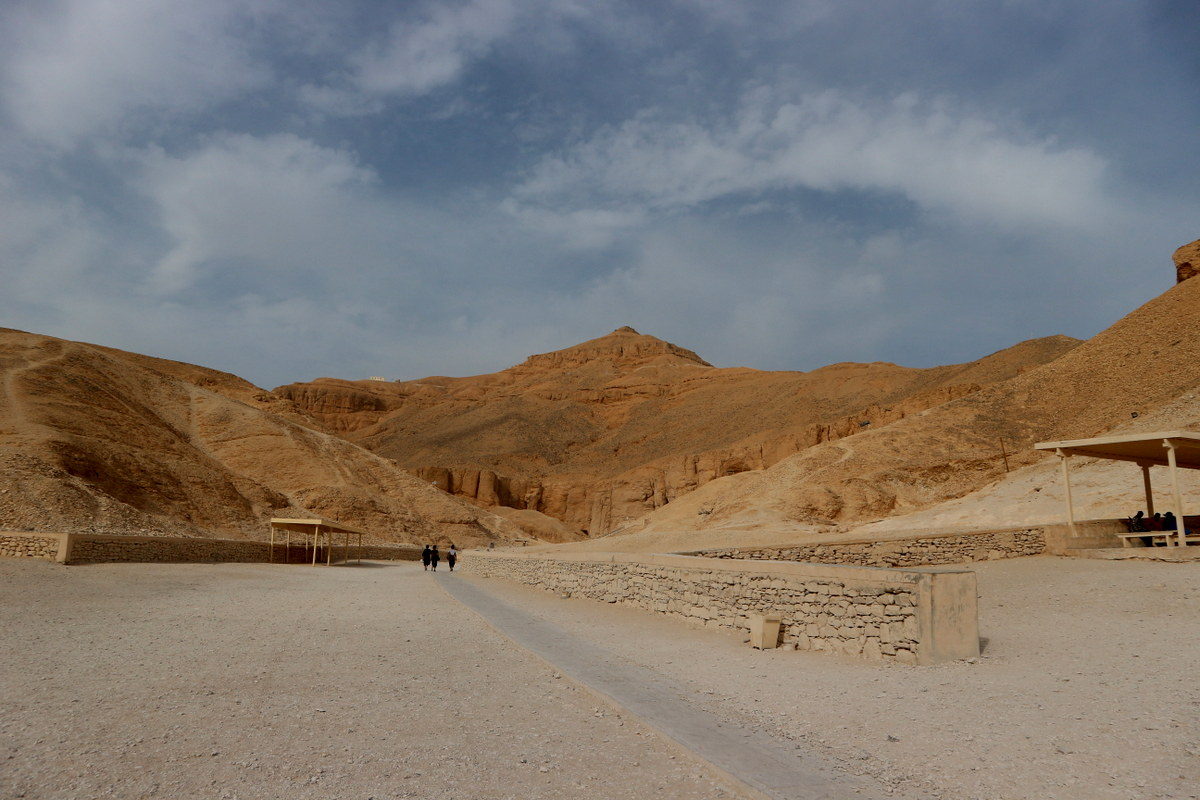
[
  {"x": 872, "y": 614},
  {"x": 78, "y": 548},
  {"x": 30, "y": 545},
  {"x": 927, "y": 551}
]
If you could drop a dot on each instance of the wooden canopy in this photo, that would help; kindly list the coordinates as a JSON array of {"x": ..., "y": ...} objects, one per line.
[
  {"x": 1173, "y": 449},
  {"x": 314, "y": 527}
]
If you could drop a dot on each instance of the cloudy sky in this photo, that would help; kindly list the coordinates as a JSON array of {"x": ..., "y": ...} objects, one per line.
[{"x": 289, "y": 189}]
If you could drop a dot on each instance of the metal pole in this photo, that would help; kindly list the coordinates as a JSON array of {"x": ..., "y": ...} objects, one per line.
[
  {"x": 1179, "y": 541},
  {"x": 1066, "y": 472},
  {"x": 1149, "y": 492}
]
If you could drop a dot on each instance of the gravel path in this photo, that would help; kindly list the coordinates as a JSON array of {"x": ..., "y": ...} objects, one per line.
[
  {"x": 259, "y": 681},
  {"x": 1087, "y": 688}
]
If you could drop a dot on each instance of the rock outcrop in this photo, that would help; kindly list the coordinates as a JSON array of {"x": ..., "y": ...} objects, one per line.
[{"x": 1187, "y": 261}]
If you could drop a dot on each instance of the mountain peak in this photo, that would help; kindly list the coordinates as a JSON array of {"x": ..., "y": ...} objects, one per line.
[{"x": 623, "y": 347}]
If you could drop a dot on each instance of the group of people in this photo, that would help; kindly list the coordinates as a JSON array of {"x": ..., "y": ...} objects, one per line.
[
  {"x": 430, "y": 557},
  {"x": 1159, "y": 522}
]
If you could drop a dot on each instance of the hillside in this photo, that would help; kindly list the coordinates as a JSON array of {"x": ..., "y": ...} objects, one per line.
[
  {"x": 96, "y": 439},
  {"x": 600, "y": 433},
  {"x": 1147, "y": 363}
]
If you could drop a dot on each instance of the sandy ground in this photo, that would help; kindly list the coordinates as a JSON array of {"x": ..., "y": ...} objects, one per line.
[
  {"x": 1087, "y": 688},
  {"x": 258, "y": 681}
]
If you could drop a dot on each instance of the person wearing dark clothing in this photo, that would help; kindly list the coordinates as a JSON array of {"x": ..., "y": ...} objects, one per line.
[
  {"x": 1137, "y": 522},
  {"x": 1168, "y": 521},
  {"x": 1156, "y": 522},
  {"x": 425, "y": 556},
  {"x": 434, "y": 558},
  {"x": 451, "y": 557}
]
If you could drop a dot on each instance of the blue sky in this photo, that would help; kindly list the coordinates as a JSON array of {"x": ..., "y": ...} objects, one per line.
[{"x": 288, "y": 189}]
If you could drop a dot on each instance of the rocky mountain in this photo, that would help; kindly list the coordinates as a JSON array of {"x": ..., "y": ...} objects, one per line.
[
  {"x": 598, "y": 434},
  {"x": 1142, "y": 373},
  {"x": 97, "y": 439}
]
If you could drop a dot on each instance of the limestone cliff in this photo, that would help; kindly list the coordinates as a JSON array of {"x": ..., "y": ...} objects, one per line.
[{"x": 1187, "y": 261}]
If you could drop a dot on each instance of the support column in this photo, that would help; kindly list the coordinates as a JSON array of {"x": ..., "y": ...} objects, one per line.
[
  {"x": 316, "y": 541},
  {"x": 271, "y": 556},
  {"x": 1149, "y": 491},
  {"x": 1175, "y": 497},
  {"x": 329, "y": 547},
  {"x": 1066, "y": 473}
]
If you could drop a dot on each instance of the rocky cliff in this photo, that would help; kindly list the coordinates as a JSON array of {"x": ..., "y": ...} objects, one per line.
[{"x": 600, "y": 433}]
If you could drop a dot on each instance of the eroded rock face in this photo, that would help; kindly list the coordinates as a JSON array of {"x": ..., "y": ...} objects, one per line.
[
  {"x": 599, "y": 434},
  {"x": 1187, "y": 261}
]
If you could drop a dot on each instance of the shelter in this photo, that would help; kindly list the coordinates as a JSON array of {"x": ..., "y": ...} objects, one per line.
[
  {"x": 1175, "y": 450},
  {"x": 314, "y": 527}
]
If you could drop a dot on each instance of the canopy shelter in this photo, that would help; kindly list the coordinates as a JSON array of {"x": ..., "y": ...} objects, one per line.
[
  {"x": 1175, "y": 450},
  {"x": 313, "y": 527}
]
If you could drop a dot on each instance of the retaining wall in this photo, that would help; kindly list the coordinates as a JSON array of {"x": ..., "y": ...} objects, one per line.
[
  {"x": 919, "y": 616},
  {"x": 79, "y": 548},
  {"x": 31, "y": 545},
  {"x": 960, "y": 548}
]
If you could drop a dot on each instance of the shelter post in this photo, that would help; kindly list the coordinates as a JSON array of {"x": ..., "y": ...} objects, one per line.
[
  {"x": 1149, "y": 492},
  {"x": 329, "y": 547},
  {"x": 316, "y": 541},
  {"x": 1180, "y": 541},
  {"x": 271, "y": 552},
  {"x": 1066, "y": 472}
]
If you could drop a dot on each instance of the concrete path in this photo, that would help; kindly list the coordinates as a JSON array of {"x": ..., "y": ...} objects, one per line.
[{"x": 761, "y": 765}]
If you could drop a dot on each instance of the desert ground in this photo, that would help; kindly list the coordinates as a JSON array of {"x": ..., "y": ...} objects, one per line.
[
  {"x": 140, "y": 680},
  {"x": 253, "y": 682}
]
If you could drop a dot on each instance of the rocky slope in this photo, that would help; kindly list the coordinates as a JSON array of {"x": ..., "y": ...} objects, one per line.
[
  {"x": 1147, "y": 363},
  {"x": 600, "y": 433},
  {"x": 93, "y": 438}
]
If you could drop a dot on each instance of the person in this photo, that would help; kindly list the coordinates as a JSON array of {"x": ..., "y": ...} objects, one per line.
[
  {"x": 1168, "y": 521},
  {"x": 1137, "y": 522},
  {"x": 451, "y": 556},
  {"x": 1156, "y": 522},
  {"x": 425, "y": 555},
  {"x": 434, "y": 558}
]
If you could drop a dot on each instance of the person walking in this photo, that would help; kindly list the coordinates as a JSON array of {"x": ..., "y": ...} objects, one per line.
[
  {"x": 452, "y": 556},
  {"x": 434, "y": 558},
  {"x": 425, "y": 556}
]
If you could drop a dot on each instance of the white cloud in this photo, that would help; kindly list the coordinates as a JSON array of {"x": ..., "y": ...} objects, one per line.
[
  {"x": 84, "y": 66},
  {"x": 420, "y": 55},
  {"x": 278, "y": 203},
  {"x": 938, "y": 158}
]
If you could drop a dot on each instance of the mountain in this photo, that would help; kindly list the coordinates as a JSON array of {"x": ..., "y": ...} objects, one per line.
[
  {"x": 598, "y": 434},
  {"x": 1141, "y": 374},
  {"x": 97, "y": 439}
]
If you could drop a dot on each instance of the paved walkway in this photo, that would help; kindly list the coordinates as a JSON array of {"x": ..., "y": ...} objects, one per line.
[{"x": 756, "y": 762}]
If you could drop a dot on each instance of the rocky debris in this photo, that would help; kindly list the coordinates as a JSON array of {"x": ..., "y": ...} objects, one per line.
[{"x": 1187, "y": 261}]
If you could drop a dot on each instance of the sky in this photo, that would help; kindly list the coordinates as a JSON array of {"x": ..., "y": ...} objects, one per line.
[{"x": 287, "y": 189}]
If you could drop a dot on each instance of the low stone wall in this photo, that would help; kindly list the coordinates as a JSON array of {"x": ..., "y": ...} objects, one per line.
[
  {"x": 960, "y": 548},
  {"x": 30, "y": 545},
  {"x": 909, "y": 616},
  {"x": 82, "y": 548}
]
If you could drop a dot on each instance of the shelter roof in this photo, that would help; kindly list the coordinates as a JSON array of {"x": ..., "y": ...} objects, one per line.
[
  {"x": 306, "y": 524},
  {"x": 1143, "y": 448}
]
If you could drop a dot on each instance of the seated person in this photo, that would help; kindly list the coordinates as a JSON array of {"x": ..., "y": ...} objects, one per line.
[{"x": 1137, "y": 522}]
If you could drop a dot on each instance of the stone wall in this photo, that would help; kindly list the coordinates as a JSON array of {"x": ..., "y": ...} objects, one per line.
[
  {"x": 30, "y": 545},
  {"x": 79, "y": 548},
  {"x": 926, "y": 551},
  {"x": 907, "y": 616}
]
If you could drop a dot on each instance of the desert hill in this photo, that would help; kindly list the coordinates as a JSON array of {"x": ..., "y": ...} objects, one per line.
[
  {"x": 97, "y": 439},
  {"x": 600, "y": 433},
  {"x": 1147, "y": 363}
]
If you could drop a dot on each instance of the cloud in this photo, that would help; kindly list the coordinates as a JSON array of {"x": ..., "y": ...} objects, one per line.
[
  {"x": 85, "y": 66},
  {"x": 420, "y": 55},
  {"x": 939, "y": 158}
]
